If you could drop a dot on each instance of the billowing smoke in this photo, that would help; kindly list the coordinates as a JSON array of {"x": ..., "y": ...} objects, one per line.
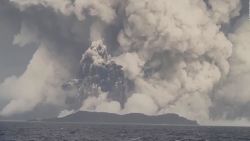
[
  {"x": 232, "y": 97},
  {"x": 123, "y": 56}
]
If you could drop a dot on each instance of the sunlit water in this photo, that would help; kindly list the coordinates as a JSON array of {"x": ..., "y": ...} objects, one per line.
[{"x": 25, "y": 131}]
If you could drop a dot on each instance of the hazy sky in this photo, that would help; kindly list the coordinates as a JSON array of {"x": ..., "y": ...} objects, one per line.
[{"x": 13, "y": 59}]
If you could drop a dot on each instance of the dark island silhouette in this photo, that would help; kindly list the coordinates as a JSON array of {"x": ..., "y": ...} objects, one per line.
[{"x": 134, "y": 118}]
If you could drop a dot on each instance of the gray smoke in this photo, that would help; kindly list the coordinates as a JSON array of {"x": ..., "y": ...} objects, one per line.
[
  {"x": 124, "y": 56},
  {"x": 232, "y": 97}
]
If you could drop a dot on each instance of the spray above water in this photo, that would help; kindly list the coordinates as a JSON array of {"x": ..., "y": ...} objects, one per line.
[{"x": 150, "y": 57}]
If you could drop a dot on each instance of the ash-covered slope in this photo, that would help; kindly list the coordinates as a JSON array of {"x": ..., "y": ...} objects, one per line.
[{"x": 135, "y": 118}]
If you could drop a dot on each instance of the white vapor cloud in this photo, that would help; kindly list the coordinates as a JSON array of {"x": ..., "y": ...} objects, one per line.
[
  {"x": 234, "y": 92},
  {"x": 222, "y": 11},
  {"x": 40, "y": 83},
  {"x": 65, "y": 113},
  {"x": 185, "y": 53},
  {"x": 100, "y": 104},
  {"x": 167, "y": 56}
]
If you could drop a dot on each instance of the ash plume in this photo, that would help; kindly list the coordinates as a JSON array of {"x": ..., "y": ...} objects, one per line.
[{"x": 124, "y": 56}]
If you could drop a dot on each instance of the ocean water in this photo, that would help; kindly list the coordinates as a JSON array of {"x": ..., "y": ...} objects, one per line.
[{"x": 27, "y": 131}]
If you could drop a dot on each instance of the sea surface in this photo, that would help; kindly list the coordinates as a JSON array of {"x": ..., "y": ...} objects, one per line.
[{"x": 28, "y": 131}]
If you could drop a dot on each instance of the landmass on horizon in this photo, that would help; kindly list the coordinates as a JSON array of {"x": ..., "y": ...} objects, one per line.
[{"x": 133, "y": 118}]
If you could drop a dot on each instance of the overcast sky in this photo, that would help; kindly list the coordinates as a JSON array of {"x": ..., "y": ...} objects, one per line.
[{"x": 13, "y": 59}]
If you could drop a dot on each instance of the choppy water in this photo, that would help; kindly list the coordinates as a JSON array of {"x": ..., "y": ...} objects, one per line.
[{"x": 24, "y": 131}]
